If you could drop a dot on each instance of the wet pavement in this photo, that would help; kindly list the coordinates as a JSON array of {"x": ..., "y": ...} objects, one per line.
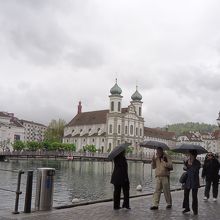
[{"x": 140, "y": 209}]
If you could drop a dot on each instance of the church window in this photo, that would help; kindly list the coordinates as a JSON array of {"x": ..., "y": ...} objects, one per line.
[
  {"x": 93, "y": 140},
  {"x": 84, "y": 140},
  {"x": 118, "y": 141},
  {"x": 126, "y": 129},
  {"x": 136, "y": 131},
  {"x": 131, "y": 129},
  {"x": 140, "y": 132},
  {"x": 110, "y": 128},
  {"x": 139, "y": 111},
  {"x": 119, "y": 129},
  {"x": 112, "y": 106},
  {"x": 103, "y": 140},
  {"x": 119, "y": 106}
]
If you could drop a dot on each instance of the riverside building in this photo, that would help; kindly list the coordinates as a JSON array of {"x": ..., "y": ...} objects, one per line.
[
  {"x": 110, "y": 127},
  {"x": 12, "y": 129}
]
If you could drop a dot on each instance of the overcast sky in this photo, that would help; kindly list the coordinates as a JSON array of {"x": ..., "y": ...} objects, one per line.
[{"x": 54, "y": 53}]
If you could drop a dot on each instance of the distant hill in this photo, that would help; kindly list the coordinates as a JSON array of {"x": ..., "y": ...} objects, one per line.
[{"x": 180, "y": 128}]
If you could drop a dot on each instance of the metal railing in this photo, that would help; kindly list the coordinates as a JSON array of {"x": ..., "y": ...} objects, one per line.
[{"x": 17, "y": 192}]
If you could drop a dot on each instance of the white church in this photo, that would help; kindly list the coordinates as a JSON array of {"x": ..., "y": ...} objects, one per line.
[{"x": 107, "y": 128}]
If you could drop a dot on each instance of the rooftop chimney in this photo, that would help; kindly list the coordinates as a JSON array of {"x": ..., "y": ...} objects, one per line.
[{"x": 79, "y": 108}]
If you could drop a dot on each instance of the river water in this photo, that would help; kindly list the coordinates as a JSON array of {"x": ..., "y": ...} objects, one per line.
[{"x": 84, "y": 180}]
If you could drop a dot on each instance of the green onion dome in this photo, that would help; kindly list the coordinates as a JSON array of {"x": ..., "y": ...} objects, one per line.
[
  {"x": 136, "y": 96},
  {"x": 116, "y": 90}
]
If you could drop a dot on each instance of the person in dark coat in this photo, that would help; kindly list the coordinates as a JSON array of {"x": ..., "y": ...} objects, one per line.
[
  {"x": 192, "y": 166},
  {"x": 210, "y": 173},
  {"x": 120, "y": 181}
]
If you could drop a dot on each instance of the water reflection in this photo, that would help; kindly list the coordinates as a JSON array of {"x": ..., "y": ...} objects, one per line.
[{"x": 85, "y": 180}]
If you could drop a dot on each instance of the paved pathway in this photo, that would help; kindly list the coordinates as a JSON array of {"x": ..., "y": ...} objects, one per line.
[{"x": 140, "y": 210}]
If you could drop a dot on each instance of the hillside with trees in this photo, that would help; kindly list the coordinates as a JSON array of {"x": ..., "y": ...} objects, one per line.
[{"x": 181, "y": 128}]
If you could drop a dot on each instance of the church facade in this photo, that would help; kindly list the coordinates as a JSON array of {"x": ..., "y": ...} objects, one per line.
[{"x": 110, "y": 127}]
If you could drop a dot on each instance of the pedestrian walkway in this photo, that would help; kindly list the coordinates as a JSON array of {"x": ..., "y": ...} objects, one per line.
[{"x": 140, "y": 209}]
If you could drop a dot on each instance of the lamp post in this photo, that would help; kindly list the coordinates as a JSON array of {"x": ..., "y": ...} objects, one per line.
[{"x": 218, "y": 120}]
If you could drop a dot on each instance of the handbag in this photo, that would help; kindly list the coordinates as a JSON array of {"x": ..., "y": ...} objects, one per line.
[{"x": 183, "y": 178}]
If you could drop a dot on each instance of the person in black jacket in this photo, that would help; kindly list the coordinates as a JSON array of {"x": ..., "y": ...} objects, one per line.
[
  {"x": 121, "y": 181},
  {"x": 192, "y": 166},
  {"x": 210, "y": 173}
]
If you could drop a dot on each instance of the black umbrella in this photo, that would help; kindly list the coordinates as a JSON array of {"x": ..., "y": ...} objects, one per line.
[
  {"x": 185, "y": 148},
  {"x": 117, "y": 150},
  {"x": 154, "y": 145}
]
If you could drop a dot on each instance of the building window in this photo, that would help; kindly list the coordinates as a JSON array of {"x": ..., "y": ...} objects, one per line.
[
  {"x": 103, "y": 140},
  {"x": 112, "y": 106},
  {"x": 140, "y": 132},
  {"x": 118, "y": 141},
  {"x": 84, "y": 140},
  {"x": 119, "y": 129},
  {"x": 131, "y": 129},
  {"x": 119, "y": 106},
  {"x": 139, "y": 111},
  {"x": 93, "y": 140},
  {"x": 126, "y": 129},
  {"x": 136, "y": 131},
  {"x": 110, "y": 129},
  {"x": 110, "y": 146}
]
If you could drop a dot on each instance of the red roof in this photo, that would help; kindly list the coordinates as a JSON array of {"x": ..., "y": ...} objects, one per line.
[
  {"x": 90, "y": 118},
  {"x": 153, "y": 132}
]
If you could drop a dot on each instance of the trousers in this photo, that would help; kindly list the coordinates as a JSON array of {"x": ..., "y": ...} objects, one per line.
[
  {"x": 117, "y": 195},
  {"x": 162, "y": 183},
  {"x": 194, "y": 200}
]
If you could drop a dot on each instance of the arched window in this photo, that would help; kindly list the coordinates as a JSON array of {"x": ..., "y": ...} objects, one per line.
[
  {"x": 119, "y": 129},
  {"x": 139, "y": 111},
  {"x": 119, "y": 106},
  {"x": 136, "y": 131},
  {"x": 140, "y": 132},
  {"x": 126, "y": 129},
  {"x": 112, "y": 106},
  {"x": 131, "y": 129},
  {"x": 110, "y": 128}
]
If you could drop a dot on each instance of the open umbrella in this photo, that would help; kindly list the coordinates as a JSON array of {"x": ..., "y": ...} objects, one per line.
[
  {"x": 117, "y": 150},
  {"x": 154, "y": 145},
  {"x": 185, "y": 148}
]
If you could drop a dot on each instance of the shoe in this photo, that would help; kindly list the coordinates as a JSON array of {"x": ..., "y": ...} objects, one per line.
[
  {"x": 205, "y": 198},
  {"x": 169, "y": 207},
  {"x": 117, "y": 208},
  {"x": 214, "y": 199},
  {"x": 127, "y": 207},
  {"x": 185, "y": 211},
  {"x": 153, "y": 207}
]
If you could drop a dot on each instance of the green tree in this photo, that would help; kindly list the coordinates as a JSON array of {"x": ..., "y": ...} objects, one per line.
[
  {"x": 90, "y": 148},
  {"x": 18, "y": 145},
  {"x": 129, "y": 150},
  {"x": 55, "y": 131},
  {"x": 33, "y": 145}
]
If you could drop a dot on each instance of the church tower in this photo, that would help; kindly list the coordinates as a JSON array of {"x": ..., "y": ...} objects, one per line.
[
  {"x": 136, "y": 102},
  {"x": 114, "y": 117},
  {"x": 115, "y": 99}
]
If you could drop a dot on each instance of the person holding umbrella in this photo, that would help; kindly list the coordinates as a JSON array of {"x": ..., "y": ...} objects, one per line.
[
  {"x": 210, "y": 173},
  {"x": 162, "y": 165},
  {"x": 119, "y": 177},
  {"x": 192, "y": 166},
  {"x": 120, "y": 181}
]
